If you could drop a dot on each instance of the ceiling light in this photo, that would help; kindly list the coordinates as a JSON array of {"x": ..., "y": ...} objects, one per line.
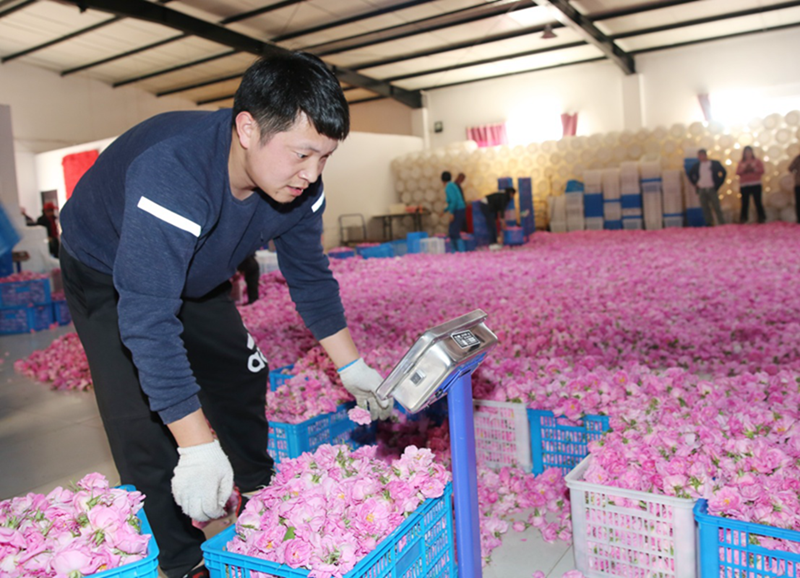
[{"x": 548, "y": 32}]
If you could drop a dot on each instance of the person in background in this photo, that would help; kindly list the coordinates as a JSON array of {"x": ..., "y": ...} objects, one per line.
[
  {"x": 456, "y": 207},
  {"x": 494, "y": 206},
  {"x": 29, "y": 222},
  {"x": 750, "y": 170},
  {"x": 794, "y": 168},
  {"x": 708, "y": 176},
  {"x": 49, "y": 221},
  {"x": 252, "y": 275},
  {"x": 459, "y": 180},
  {"x": 152, "y": 234}
]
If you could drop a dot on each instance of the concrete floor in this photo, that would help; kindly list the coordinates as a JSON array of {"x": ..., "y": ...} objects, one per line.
[{"x": 50, "y": 438}]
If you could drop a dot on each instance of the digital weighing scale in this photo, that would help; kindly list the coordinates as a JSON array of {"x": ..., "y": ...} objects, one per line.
[{"x": 441, "y": 363}]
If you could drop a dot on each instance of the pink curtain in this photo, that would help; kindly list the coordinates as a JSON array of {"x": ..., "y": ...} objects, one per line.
[
  {"x": 570, "y": 124},
  {"x": 488, "y": 135},
  {"x": 705, "y": 104}
]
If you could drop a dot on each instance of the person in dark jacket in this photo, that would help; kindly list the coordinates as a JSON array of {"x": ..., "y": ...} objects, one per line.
[
  {"x": 494, "y": 206},
  {"x": 708, "y": 176},
  {"x": 49, "y": 221},
  {"x": 151, "y": 236}
]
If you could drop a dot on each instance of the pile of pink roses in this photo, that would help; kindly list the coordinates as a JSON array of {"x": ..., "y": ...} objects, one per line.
[
  {"x": 327, "y": 510},
  {"x": 734, "y": 441},
  {"x": 70, "y": 533},
  {"x": 507, "y": 499},
  {"x": 23, "y": 276},
  {"x": 62, "y": 364}
]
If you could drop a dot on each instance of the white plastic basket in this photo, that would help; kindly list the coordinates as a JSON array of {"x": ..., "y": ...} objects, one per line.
[
  {"x": 630, "y": 534},
  {"x": 502, "y": 434}
]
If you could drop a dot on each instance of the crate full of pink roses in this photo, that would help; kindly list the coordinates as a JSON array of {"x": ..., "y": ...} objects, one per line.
[
  {"x": 730, "y": 547},
  {"x": 339, "y": 513},
  {"x": 90, "y": 529},
  {"x": 630, "y": 533},
  {"x": 559, "y": 442}
]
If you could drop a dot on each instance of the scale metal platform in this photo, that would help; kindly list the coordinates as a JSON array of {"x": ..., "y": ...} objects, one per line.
[{"x": 441, "y": 363}]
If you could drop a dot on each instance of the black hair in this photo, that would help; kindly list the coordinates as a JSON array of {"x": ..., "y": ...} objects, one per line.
[
  {"x": 510, "y": 190},
  {"x": 704, "y": 151},
  {"x": 277, "y": 88},
  {"x": 748, "y": 148},
  {"x": 446, "y": 177}
]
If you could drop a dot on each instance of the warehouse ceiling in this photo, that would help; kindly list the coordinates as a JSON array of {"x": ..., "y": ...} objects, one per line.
[{"x": 378, "y": 48}]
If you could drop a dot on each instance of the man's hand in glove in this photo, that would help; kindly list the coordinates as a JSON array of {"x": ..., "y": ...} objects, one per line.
[
  {"x": 361, "y": 381},
  {"x": 203, "y": 481}
]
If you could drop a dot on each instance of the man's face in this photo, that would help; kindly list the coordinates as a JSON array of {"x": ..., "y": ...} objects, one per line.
[
  {"x": 702, "y": 157},
  {"x": 288, "y": 162}
]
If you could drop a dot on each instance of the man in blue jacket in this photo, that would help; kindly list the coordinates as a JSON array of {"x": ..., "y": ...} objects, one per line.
[
  {"x": 708, "y": 176},
  {"x": 151, "y": 235}
]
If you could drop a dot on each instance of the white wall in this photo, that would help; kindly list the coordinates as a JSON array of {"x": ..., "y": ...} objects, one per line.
[
  {"x": 50, "y": 112},
  {"x": 358, "y": 178},
  {"x": 672, "y": 79},
  {"x": 381, "y": 116},
  {"x": 668, "y": 83},
  {"x": 593, "y": 90}
]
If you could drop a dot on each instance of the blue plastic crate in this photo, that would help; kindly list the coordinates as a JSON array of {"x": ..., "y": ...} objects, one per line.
[
  {"x": 413, "y": 241},
  {"x": 422, "y": 546},
  {"x": 612, "y": 225},
  {"x": 290, "y": 440},
  {"x": 279, "y": 376},
  {"x": 25, "y": 319},
  {"x": 376, "y": 251},
  {"x": 554, "y": 445},
  {"x": 631, "y": 201},
  {"x": 31, "y": 292},
  {"x": 593, "y": 205},
  {"x": 695, "y": 218},
  {"x": 147, "y": 567},
  {"x": 9, "y": 236},
  {"x": 574, "y": 186},
  {"x": 513, "y": 236},
  {"x": 733, "y": 548},
  {"x": 341, "y": 253},
  {"x": 399, "y": 247},
  {"x": 61, "y": 314},
  {"x": 467, "y": 242},
  {"x": 6, "y": 264},
  {"x": 436, "y": 412}
]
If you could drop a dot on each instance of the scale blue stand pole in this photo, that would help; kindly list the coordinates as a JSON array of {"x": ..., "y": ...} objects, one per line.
[{"x": 465, "y": 476}]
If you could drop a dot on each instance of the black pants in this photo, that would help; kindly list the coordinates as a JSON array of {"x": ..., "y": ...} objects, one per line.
[
  {"x": 252, "y": 273},
  {"x": 232, "y": 376},
  {"x": 491, "y": 221},
  {"x": 753, "y": 191},
  {"x": 797, "y": 202}
]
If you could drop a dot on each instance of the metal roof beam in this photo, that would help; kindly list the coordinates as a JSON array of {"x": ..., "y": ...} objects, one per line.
[
  {"x": 708, "y": 19},
  {"x": 350, "y": 20},
  {"x": 430, "y": 24},
  {"x": 7, "y": 11},
  {"x": 160, "y": 43},
  {"x": 569, "y": 16},
  {"x": 150, "y": 12},
  {"x": 60, "y": 39},
  {"x": 619, "y": 13}
]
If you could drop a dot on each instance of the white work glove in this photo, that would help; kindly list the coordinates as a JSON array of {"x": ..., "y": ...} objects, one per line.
[
  {"x": 203, "y": 481},
  {"x": 361, "y": 381}
]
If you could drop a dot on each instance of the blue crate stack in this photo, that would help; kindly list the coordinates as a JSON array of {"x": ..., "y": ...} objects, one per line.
[
  {"x": 479, "y": 230},
  {"x": 414, "y": 242},
  {"x": 525, "y": 196},
  {"x": 695, "y": 218},
  {"x": 25, "y": 306},
  {"x": 630, "y": 195},
  {"x": 672, "y": 197},
  {"x": 511, "y": 209}
]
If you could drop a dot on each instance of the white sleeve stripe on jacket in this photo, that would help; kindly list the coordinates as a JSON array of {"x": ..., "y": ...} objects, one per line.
[
  {"x": 168, "y": 216},
  {"x": 318, "y": 203}
]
